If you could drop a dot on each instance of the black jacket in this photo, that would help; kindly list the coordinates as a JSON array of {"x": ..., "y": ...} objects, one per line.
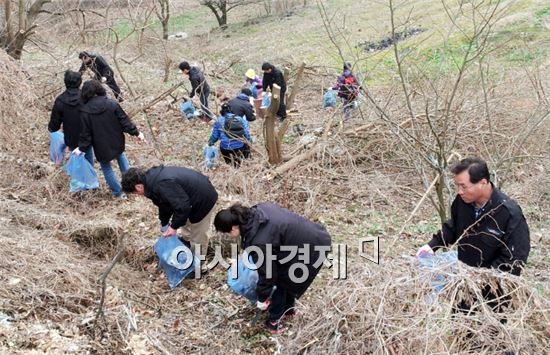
[
  {"x": 241, "y": 106},
  {"x": 273, "y": 225},
  {"x": 103, "y": 126},
  {"x": 66, "y": 112},
  {"x": 98, "y": 66},
  {"x": 498, "y": 238},
  {"x": 275, "y": 77},
  {"x": 198, "y": 82},
  {"x": 180, "y": 193}
]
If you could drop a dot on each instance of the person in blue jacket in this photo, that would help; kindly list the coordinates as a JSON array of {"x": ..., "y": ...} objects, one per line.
[{"x": 233, "y": 132}]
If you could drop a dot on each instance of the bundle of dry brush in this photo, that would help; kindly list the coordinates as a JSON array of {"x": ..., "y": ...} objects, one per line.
[{"x": 393, "y": 309}]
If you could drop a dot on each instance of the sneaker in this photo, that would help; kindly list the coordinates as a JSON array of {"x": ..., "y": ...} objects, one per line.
[
  {"x": 122, "y": 196},
  {"x": 275, "y": 327}
]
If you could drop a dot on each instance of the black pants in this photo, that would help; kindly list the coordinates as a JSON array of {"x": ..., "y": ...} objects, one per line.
[
  {"x": 494, "y": 298},
  {"x": 235, "y": 156},
  {"x": 114, "y": 87},
  {"x": 203, "y": 97},
  {"x": 281, "y": 302},
  {"x": 282, "y": 106}
]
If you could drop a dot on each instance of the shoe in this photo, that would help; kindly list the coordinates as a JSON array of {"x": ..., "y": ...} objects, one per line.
[
  {"x": 275, "y": 327},
  {"x": 122, "y": 196}
]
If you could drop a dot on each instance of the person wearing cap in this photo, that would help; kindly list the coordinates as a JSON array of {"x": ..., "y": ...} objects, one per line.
[
  {"x": 102, "y": 71},
  {"x": 254, "y": 82},
  {"x": 241, "y": 105},
  {"x": 66, "y": 113},
  {"x": 199, "y": 85},
  {"x": 272, "y": 75}
]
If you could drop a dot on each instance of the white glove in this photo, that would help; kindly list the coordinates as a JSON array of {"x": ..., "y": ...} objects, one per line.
[
  {"x": 141, "y": 137},
  {"x": 164, "y": 228},
  {"x": 262, "y": 306},
  {"x": 77, "y": 151},
  {"x": 103, "y": 79},
  {"x": 425, "y": 249}
]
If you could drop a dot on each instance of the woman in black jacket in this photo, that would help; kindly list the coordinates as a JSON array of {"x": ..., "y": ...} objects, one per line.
[
  {"x": 293, "y": 249},
  {"x": 103, "y": 126}
]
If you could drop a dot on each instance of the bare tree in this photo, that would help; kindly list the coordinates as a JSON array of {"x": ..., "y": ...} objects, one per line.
[
  {"x": 220, "y": 8},
  {"x": 15, "y": 35},
  {"x": 162, "y": 9}
]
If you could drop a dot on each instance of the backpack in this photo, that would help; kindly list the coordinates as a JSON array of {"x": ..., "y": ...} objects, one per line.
[
  {"x": 233, "y": 127},
  {"x": 350, "y": 88}
]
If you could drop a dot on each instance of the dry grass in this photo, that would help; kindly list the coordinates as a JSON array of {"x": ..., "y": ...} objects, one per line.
[{"x": 391, "y": 309}]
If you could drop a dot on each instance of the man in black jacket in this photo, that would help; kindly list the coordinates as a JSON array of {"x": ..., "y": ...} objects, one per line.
[
  {"x": 184, "y": 197},
  {"x": 241, "y": 105},
  {"x": 272, "y": 76},
  {"x": 487, "y": 227},
  {"x": 66, "y": 112},
  {"x": 199, "y": 85},
  {"x": 102, "y": 71}
]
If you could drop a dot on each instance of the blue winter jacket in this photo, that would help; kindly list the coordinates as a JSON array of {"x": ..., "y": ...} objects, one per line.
[{"x": 218, "y": 133}]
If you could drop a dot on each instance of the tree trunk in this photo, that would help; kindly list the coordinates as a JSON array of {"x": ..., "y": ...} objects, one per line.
[
  {"x": 295, "y": 87},
  {"x": 272, "y": 142}
]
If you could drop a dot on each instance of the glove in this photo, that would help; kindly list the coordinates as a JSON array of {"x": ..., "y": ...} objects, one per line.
[
  {"x": 164, "y": 228},
  {"x": 141, "y": 137},
  {"x": 77, "y": 151},
  {"x": 425, "y": 249},
  {"x": 103, "y": 79},
  {"x": 262, "y": 306}
]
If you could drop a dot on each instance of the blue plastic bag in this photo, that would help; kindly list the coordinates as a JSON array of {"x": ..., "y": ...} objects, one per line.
[
  {"x": 175, "y": 258},
  {"x": 245, "y": 282},
  {"x": 210, "y": 154},
  {"x": 189, "y": 110},
  {"x": 57, "y": 147},
  {"x": 266, "y": 100},
  {"x": 436, "y": 268},
  {"x": 82, "y": 173},
  {"x": 329, "y": 99}
]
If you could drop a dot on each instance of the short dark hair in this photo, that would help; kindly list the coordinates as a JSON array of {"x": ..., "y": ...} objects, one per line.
[
  {"x": 246, "y": 91},
  {"x": 131, "y": 178},
  {"x": 184, "y": 66},
  {"x": 477, "y": 168},
  {"x": 83, "y": 54},
  {"x": 347, "y": 66},
  {"x": 72, "y": 79},
  {"x": 90, "y": 89},
  {"x": 267, "y": 66},
  {"x": 236, "y": 215},
  {"x": 225, "y": 109}
]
